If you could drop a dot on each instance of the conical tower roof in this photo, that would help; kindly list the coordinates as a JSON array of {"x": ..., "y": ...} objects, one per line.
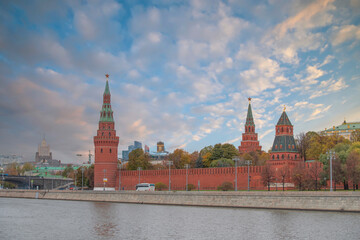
[
  {"x": 249, "y": 117},
  {"x": 106, "y": 113},
  {"x": 284, "y": 119},
  {"x": 107, "y": 89}
]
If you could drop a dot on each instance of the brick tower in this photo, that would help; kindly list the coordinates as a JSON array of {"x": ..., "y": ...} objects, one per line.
[
  {"x": 249, "y": 141},
  {"x": 106, "y": 146},
  {"x": 284, "y": 148}
]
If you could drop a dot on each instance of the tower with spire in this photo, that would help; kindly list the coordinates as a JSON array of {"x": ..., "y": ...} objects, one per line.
[
  {"x": 249, "y": 141},
  {"x": 284, "y": 148},
  {"x": 106, "y": 146}
]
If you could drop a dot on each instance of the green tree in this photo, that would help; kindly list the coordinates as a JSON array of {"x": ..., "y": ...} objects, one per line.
[
  {"x": 68, "y": 171},
  {"x": 27, "y": 167},
  {"x": 222, "y": 162},
  {"x": 160, "y": 186},
  {"x": 226, "y": 186},
  {"x": 137, "y": 158},
  {"x": 355, "y": 136}
]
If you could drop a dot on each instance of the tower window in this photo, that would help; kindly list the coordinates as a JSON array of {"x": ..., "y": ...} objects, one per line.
[
  {"x": 102, "y": 134},
  {"x": 110, "y": 150},
  {"x": 109, "y": 134},
  {"x": 101, "y": 150}
]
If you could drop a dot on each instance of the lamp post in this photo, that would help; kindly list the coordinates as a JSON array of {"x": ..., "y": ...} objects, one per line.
[
  {"x": 119, "y": 166},
  {"x": 82, "y": 178},
  {"x": 104, "y": 179},
  {"x": 187, "y": 169},
  {"x": 331, "y": 154},
  {"x": 170, "y": 163},
  {"x": 248, "y": 162},
  {"x": 236, "y": 159},
  {"x": 139, "y": 169}
]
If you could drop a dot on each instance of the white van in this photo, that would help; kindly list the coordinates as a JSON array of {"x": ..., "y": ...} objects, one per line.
[{"x": 145, "y": 187}]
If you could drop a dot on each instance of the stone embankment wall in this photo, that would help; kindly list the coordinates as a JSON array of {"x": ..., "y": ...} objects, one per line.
[{"x": 326, "y": 201}]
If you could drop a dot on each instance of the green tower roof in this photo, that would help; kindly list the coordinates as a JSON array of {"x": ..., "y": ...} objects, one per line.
[
  {"x": 106, "y": 113},
  {"x": 249, "y": 117},
  {"x": 284, "y": 119},
  {"x": 107, "y": 90}
]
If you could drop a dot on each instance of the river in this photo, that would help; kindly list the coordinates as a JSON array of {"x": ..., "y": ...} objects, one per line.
[{"x": 52, "y": 219}]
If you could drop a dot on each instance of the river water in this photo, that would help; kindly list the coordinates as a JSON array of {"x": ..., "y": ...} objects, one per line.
[{"x": 52, "y": 219}]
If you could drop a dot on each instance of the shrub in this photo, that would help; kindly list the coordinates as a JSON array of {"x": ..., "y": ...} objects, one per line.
[
  {"x": 226, "y": 186},
  {"x": 190, "y": 187},
  {"x": 160, "y": 186}
]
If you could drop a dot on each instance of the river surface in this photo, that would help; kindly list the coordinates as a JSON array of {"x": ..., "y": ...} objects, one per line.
[{"x": 52, "y": 219}]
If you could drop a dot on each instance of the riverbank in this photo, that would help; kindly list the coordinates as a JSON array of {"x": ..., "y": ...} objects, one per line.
[{"x": 316, "y": 201}]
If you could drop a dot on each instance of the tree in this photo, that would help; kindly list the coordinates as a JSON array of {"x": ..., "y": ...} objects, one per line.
[
  {"x": 267, "y": 175},
  {"x": 320, "y": 144},
  {"x": 159, "y": 186},
  {"x": 179, "y": 158},
  {"x": 225, "y": 186},
  {"x": 137, "y": 158},
  {"x": 355, "y": 136},
  {"x": 68, "y": 171},
  {"x": 219, "y": 151},
  {"x": 314, "y": 173},
  {"x": 222, "y": 162},
  {"x": 353, "y": 168},
  {"x": 284, "y": 173},
  {"x": 298, "y": 175},
  {"x": 13, "y": 169},
  {"x": 303, "y": 143},
  {"x": 193, "y": 159},
  {"x": 27, "y": 167},
  {"x": 204, "y": 156}
]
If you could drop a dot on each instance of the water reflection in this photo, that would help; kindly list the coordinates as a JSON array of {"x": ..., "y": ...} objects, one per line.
[
  {"x": 39, "y": 219},
  {"x": 103, "y": 215}
]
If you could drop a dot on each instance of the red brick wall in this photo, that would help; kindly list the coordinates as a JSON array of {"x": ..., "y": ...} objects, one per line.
[{"x": 210, "y": 178}]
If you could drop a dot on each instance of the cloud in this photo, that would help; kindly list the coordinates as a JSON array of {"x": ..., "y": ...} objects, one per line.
[
  {"x": 346, "y": 33},
  {"x": 329, "y": 86}
]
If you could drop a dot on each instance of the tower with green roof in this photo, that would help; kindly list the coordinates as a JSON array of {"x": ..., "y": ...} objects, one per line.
[
  {"x": 106, "y": 146},
  {"x": 249, "y": 141},
  {"x": 284, "y": 147}
]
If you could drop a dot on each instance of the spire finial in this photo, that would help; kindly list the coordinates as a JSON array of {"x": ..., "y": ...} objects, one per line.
[
  {"x": 249, "y": 98},
  {"x": 107, "y": 76},
  {"x": 284, "y": 107}
]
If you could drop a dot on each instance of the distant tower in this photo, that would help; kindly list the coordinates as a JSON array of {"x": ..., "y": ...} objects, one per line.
[
  {"x": 43, "y": 154},
  {"x": 160, "y": 147},
  {"x": 284, "y": 146},
  {"x": 249, "y": 141},
  {"x": 106, "y": 146}
]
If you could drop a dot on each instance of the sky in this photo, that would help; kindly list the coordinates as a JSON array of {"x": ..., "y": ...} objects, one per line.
[{"x": 180, "y": 71}]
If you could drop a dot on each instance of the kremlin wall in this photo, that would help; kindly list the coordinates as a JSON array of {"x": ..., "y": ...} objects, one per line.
[{"x": 107, "y": 175}]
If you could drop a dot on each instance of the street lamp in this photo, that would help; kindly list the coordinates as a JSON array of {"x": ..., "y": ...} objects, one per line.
[
  {"x": 170, "y": 163},
  {"x": 331, "y": 154},
  {"x": 119, "y": 166},
  {"x": 187, "y": 169},
  {"x": 248, "y": 162},
  {"x": 82, "y": 178},
  {"x": 236, "y": 159},
  {"x": 104, "y": 180},
  {"x": 139, "y": 169}
]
